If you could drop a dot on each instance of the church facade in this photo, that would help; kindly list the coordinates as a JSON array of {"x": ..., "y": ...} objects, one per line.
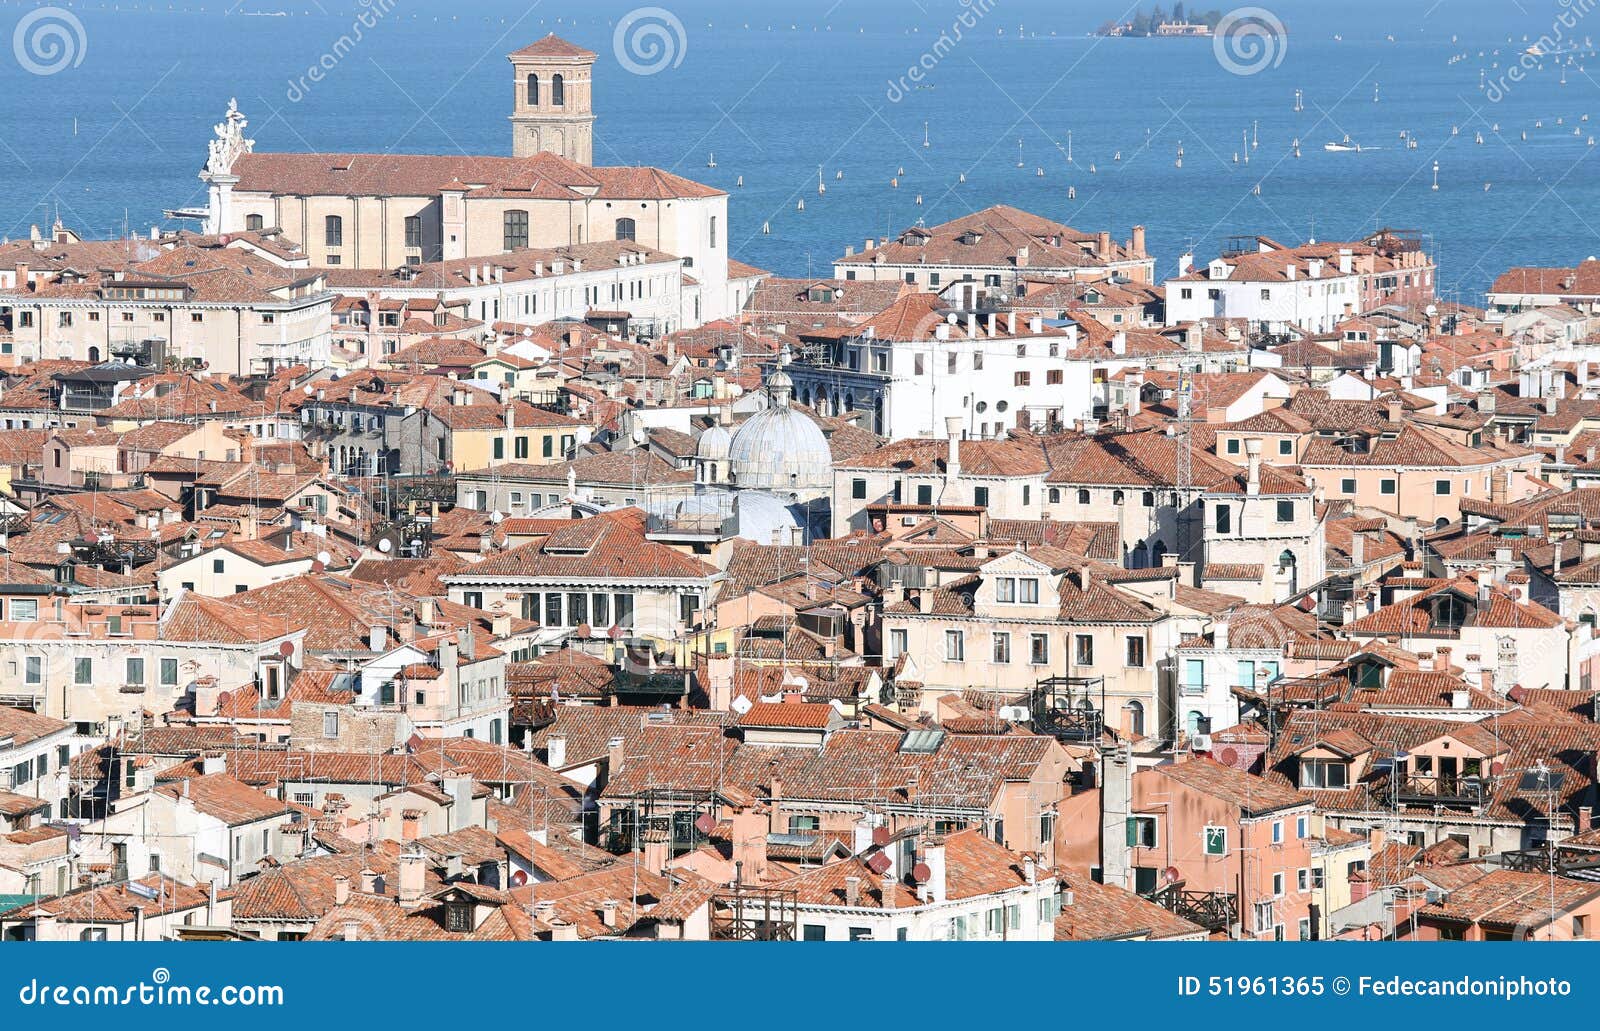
[{"x": 386, "y": 211}]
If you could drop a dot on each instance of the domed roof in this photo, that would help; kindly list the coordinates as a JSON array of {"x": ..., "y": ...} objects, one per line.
[
  {"x": 713, "y": 443},
  {"x": 780, "y": 448}
]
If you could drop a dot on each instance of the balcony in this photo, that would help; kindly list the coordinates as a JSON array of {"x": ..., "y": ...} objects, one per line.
[
  {"x": 715, "y": 525},
  {"x": 1578, "y": 863},
  {"x": 1456, "y": 790},
  {"x": 1216, "y": 911}
]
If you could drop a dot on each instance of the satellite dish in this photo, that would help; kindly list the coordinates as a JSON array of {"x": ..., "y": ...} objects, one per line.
[
  {"x": 286, "y": 649},
  {"x": 496, "y": 516},
  {"x": 705, "y": 823},
  {"x": 1228, "y": 756},
  {"x": 1497, "y": 769},
  {"x": 741, "y": 705},
  {"x": 1172, "y": 875},
  {"x": 881, "y": 836},
  {"x": 920, "y": 873},
  {"x": 385, "y": 546},
  {"x": 519, "y": 878},
  {"x": 324, "y": 557}
]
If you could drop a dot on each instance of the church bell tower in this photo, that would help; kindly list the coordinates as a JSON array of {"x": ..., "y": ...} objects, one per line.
[{"x": 553, "y": 109}]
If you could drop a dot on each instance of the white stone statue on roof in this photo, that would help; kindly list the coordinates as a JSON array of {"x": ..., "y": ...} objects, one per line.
[{"x": 230, "y": 142}]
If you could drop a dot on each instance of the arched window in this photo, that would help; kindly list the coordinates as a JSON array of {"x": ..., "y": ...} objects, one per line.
[
  {"x": 1116, "y": 497},
  {"x": 1192, "y": 722},
  {"x": 1149, "y": 499},
  {"x": 94, "y": 355},
  {"x": 558, "y": 90},
  {"x": 533, "y": 90},
  {"x": 1139, "y": 557},
  {"x": 1083, "y": 496},
  {"x": 1158, "y": 553},
  {"x": 1224, "y": 519},
  {"x": 1133, "y": 719},
  {"x": 516, "y": 230},
  {"x": 254, "y": 222},
  {"x": 626, "y": 229},
  {"x": 1055, "y": 495}
]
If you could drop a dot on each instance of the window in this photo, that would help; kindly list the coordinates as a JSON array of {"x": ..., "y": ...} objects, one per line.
[
  {"x": 955, "y": 646},
  {"x": 626, "y": 229},
  {"x": 515, "y": 230},
  {"x": 1323, "y": 773},
  {"x": 1277, "y": 837},
  {"x": 216, "y": 565},
  {"x": 333, "y": 231},
  {"x": 1216, "y": 841},
  {"x": 1083, "y": 496},
  {"x": 1386, "y": 487},
  {"x": 858, "y": 489},
  {"x": 1141, "y": 832},
  {"x": 1347, "y": 486},
  {"x": 83, "y": 670},
  {"x": 1224, "y": 521},
  {"x": 330, "y": 724},
  {"x": 1286, "y": 511},
  {"x": 458, "y": 916},
  {"x": 253, "y": 222},
  {"x": 413, "y": 231},
  {"x": 520, "y": 447},
  {"x": 1302, "y": 827},
  {"x": 1233, "y": 446},
  {"x": 1278, "y": 882},
  {"x": 24, "y": 610},
  {"x": 135, "y": 670},
  {"x": 1302, "y": 879},
  {"x": 33, "y": 669},
  {"x": 1084, "y": 650},
  {"x": 1053, "y": 377},
  {"x": 813, "y": 933},
  {"x": 1286, "y": 447},
  {"x": 1039, "y": 649},
  {"x": 899, "y": 641},
  {"x": 558, "y": 90},
  {"x": 533, "y": 90},
  {"x": 924, "y": 494},
  {"x": 980, "y": 497},
  {"x": 712, "y": 235},
  {"x": 1305, "y": 928},
  {"x": 1135, "y": 653},
  {"x": 1021, "y": 379},
  {"x": 1441, "y": 487},
  {"x": 1002, "y": 648}
]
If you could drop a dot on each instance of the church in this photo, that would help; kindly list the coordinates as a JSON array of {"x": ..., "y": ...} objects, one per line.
[{"x": 386, "y": 211}]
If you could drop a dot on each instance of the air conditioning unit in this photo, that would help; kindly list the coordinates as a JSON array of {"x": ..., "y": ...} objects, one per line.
[
  {"x": 1200, "y": 743},
  {"x": 1015, "y": 713},
  {"x": 1434, "y": 896}
]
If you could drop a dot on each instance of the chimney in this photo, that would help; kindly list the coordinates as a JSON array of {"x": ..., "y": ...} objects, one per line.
[
  {"x": 887, "y": 887},
  {"x": 409, "y": 892},
  {"x": 1136, "y": 245},
  {"x": 614, "y": 756},
  {"x": 375, "y": 638},
  {"x": 1102, "y": 245},
  {"x": 1252, "y": 449},
  {"x": 1119, "y": 342},
  {"x": 933, "y": 858},
  {"x": 555, "y": 751},
  {"x": 750, "y": 828},
  {"x": 1358, "y": 549},
  {"x": 1458, "y": 699},
  {"x": 1550, "y": 404},
  {"x": 1394, "y": 409},
  {"x": 608, "y": 913},
  {"x": 952, "y": 431},
  {"x": 852, "y": 891},
  {"x": 341, "y": 889},
  {"x": 1345, "y": 260},
  {"x": 369, "y": 881}
]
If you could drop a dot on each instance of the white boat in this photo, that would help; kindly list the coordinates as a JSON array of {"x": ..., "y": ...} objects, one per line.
[
  {"x": 1342, "y": 146},
  {"x": 711, "y": 160}
]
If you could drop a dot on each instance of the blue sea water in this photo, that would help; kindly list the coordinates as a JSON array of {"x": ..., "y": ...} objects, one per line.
[{"x": 777, "y": 90}]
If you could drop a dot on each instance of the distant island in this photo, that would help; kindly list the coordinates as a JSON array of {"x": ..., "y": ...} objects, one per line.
[{"x": 1159, "y": 23}]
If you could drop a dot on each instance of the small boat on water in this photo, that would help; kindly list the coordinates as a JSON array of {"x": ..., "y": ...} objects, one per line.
[
  {"x": 1342, "y": 146},
  {"x": 711, "y": 160}
]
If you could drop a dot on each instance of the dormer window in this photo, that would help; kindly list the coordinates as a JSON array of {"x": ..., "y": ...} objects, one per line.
[
  {"x": 1017, "y": 590},
  {"x": 458, "y": 916},
  {"x": 1324, "y": 773}
]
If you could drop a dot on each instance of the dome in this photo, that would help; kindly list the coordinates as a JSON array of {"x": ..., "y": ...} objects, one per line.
[
  {"x": 713, "y": 444},
  {"x": 780, "y": 448}
]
